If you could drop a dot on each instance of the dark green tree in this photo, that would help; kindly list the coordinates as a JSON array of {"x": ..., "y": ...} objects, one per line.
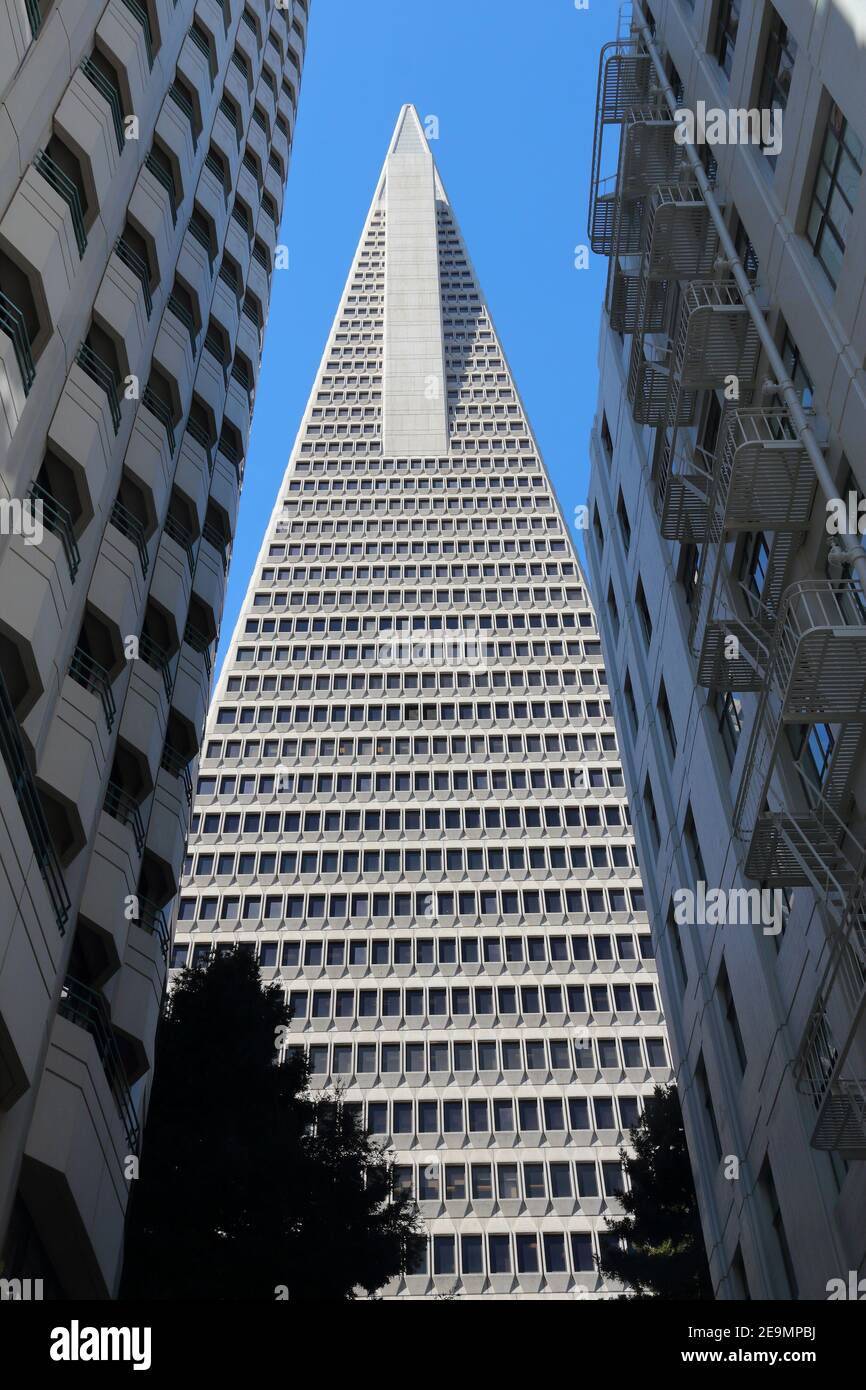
[
  {"x": 664, "y": 1255},
  {"x": 247, "y": 1187}
]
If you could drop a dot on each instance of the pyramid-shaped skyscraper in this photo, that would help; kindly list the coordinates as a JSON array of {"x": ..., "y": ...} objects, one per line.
[{"x": 410, "y": 803}]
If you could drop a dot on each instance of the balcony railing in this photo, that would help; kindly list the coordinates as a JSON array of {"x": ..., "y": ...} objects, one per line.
[
  {"x": 163, "y": 177},
  {"x": 30, "y": 806},
  {"x": 62, "y": 184},
  {"x": 94, "y": 367},
  {"x": 128, "y": 525},
  {"x": 181, "y": 312},
  {"x": 86, "y": 1008},
  {"x": 110, "y": 94},
  {"x": 199, "y": 643},
  {"x": 91, "y": 676},
  {"x": 13, "y": 325},
  {"x": 215, "y": 538},
  {"x": 201, "y": 437},
  {"x": 135, "y": 263},
  {"x": 178, "y": 766},
  {"x": 158, "y": 659},
  {"x": 205, "y": 49},
  {"x": 198, "y": 231},
  {"x": 158, "y": 407},
  {"x": 211, "y": 164},
  {"x": 181, "y": 536},
  {"x": 152, "y": 919},
  {"x": 57, "y": 520},
  {"x": 141, "y": 16},
  {"x": 185, "y": 105},
  {"x": 121, "y": 807},
  {"x": 34, "y": 16}
]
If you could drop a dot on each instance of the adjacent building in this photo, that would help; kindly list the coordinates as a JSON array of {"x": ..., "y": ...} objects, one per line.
[
  {"x": 410, "y": 804},
  {"x": 730, "y": 595},
  {"x": 145, "y": 146}
]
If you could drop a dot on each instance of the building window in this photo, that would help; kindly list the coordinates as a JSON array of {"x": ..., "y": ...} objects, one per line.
[
  {"x": 746, "y": 251},
  {"x": 624, "y": 523},
  {"x": 628, "y": 696},
  {"x": 667, "y": 722},
  {"x": 768, "y": 1188},
  {"x": 649, "y": 806},
  {"x": 835, "y": 193},
  {"x": 643, "y": 612},
  {"x": 727, "y": 24},
  {"x": 812, "y": 746},
  {"x": 729, "y": 717},
  {"x": 607, "y": 442},
  {"x": 690, "y": 568},
  {"x": 693, "y": 846},
  {"x": 613, "y": 610},
  {"x": 755, "y": 563},
  {"x": 796, "y": 371},
  {"x": 726, "y": 998},
  {"x": 707, "y": 1102},
  {"x": 779, "y": 58}
]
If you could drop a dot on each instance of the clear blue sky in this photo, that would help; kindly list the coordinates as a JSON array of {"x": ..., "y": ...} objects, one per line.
[{"x": 513, "y": 86}]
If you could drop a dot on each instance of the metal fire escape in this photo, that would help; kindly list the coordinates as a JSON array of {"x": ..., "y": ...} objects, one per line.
[{"x": 677, "y": 286}]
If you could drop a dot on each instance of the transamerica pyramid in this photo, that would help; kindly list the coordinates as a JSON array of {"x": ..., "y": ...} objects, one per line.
[{"x": 410, "y": 803}]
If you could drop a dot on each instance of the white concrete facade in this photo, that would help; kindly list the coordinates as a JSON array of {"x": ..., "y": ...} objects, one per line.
[
  {"x": 143, "y": 155},
  {"x": 733, "y": 632},
  {"x": 410, "y": 804}
]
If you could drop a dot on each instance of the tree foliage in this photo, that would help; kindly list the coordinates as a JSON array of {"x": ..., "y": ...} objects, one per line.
[
  {"x": 247, "y": 1187},
  {"x": 664, "y": 1255}
]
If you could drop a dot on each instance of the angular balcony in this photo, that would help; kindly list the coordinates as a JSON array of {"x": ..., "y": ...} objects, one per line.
[
  {"x": 87, "y": 672},
  {"x": 57, "y": 519},
  {"x": 133, "y": 529},
  {"x": 63, "y": 185},
  {"x": 122, "y": 808},
  {"x": 30, "y": 808},
  {"x": 86, "y": 1009},
  {"x": 105, "y": 377},
  {"x": 14, "y": 326}
]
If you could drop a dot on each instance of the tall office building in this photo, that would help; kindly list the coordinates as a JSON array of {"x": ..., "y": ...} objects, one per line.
[
  {"x": 732, "y": 410},
  {"x": 410, "y": 804},
  {"x": 145, "y": 145}
]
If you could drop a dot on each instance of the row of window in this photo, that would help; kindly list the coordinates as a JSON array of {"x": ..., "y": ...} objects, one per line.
[
  {"x": 447, "y": 818},
  {"x": 522, "y": 1182},
  {"x": 327, "y": 550},
  {"x": 480, "y": 1115},
  {"x": 446, "y": 712},
  {"x": 580, "y": 778},
  {"x": 521, "y": 746},
  {"x": 490, "y": 1061},
  {"x": 372, "y": 682},
  {"x": 304, "y": 574},
  {"x": 482, "y": 482},
  {"x": 411, "y": 598},
  {"x": 345, "y": 506},
  {"x": 435, "y": 903},
  {"x": 518, "y": 1252},
  {"x": 404, "y": 526},
  {"x": 393, "y": 952},
  {"x": 461, "y": 1002},
  {"x": 406, "y": 861}
]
